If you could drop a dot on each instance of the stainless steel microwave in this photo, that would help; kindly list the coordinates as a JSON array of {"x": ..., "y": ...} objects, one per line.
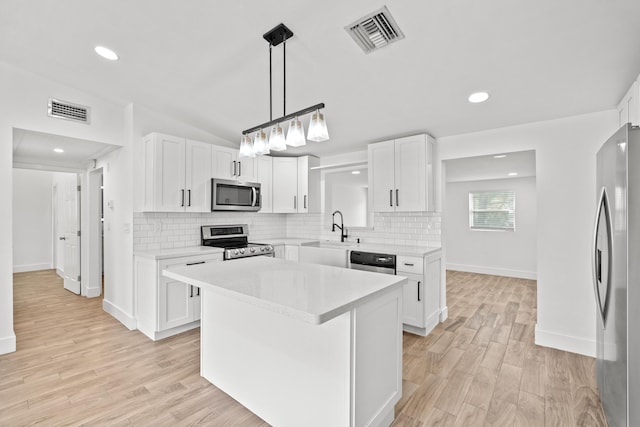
[{"x": 229, "y": 195}]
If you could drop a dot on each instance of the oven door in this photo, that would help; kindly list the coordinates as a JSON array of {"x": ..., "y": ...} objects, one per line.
[{"x": 228, "y": 195}]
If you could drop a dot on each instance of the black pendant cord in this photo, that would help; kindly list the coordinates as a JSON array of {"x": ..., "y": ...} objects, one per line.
[
  {"x": 270, "y": 88},
  {"x": 284, "y": 79}
]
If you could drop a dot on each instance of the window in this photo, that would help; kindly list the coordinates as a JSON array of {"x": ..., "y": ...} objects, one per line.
[{"x": 492, "y": 210}]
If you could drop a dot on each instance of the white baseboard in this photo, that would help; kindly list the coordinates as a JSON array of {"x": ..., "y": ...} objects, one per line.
[
  {"x": 8, "y": 344},
  {"x": 31, "y": 267},
  {"x": 444, "y": 314},
  {"x": 93, "y": 292},
  {"x": 60, "y": 273},
  {"x": 565, "y": 342},
  {"x": 119, "y": 314},
  {"x": 531, "y": 275}
]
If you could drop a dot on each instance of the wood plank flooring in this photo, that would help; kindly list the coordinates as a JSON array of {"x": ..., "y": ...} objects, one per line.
[{"x": 76, "y": 365}]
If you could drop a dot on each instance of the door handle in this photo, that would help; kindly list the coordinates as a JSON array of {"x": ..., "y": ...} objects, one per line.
[
  {"x": 418, "y": 290},
  {"x": 189, "y": 198},
  {"x": 397, "y": 198},
  {"x": 391, "y": 198},
  {"x": 295, "y": 202},
  {"x": 190, "y": 291},
  {"x": 603, "y": 205},
  {"x": 182, "y": 197},
  {"x": 63, "y": 238},
  {"x": 233, "y": 168},
  {"x": 410, "y": 264}
]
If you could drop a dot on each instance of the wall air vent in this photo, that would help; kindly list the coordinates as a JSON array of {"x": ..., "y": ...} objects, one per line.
[
  {"x": 376, "y": 30},
  {"x": 69, "y": 111}
]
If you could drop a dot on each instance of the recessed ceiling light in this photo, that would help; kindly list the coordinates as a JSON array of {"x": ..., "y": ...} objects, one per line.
[
  {"x": 106, "y": 53},
  {"x": 513, "y": 174},
  {"x": 499, "y": 156},
  {"x": 355, "y": 172},
  {"x": 58, "y": 150},
  {"x": 478, "y": 97}
]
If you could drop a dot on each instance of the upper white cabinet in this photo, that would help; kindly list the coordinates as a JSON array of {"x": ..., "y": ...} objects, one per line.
[
  {"x": 401, "y": 175},
  {"x": 265, "y": 178},
  {"x": 629, "y": 106},
  {"x": 177, "y": 172},
  {"x": 296, "y": 187},
  {"x": 227, "y": 165}
]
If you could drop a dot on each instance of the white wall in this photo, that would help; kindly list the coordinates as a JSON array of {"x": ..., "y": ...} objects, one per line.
[
  {"x": 32, "y": 220},
  {"x": 504, "y": 253},
  {"x": 565, "y": 180},
  {"x": 352, "y": 202},
  {"x": 24, "y": 105}
]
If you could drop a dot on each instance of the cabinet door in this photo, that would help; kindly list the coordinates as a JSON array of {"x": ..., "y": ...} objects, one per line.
[
  {"x": 198, "y": 176},
  {"x": 413, "y": 300},
  {"x": 291, "y": 253},
  {"x": 175, "y": 307},
  {"x": 303, "y": 184},
  {"x": 278, "y": 251},
  {"x": 381, "y": 176},
  {"x": 410, "y": 174},
  {"x": 169, "y": 174},
  {"x": 285, "y": 184},
  {"x": 432, "y": 285},
  {"x": 224, "y": 162},
  {"x": 265, "y": 167},
  {"x": 247, "y": 169}
]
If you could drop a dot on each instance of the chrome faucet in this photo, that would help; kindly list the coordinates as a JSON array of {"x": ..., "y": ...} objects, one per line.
[{"x": 343, "y": 231}]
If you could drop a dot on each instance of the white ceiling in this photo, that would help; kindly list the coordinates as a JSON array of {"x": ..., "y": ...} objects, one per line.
[
  {"x": 205, "y": 62},
  {"x": 34, "y": 150},
  {"x": 489, "y": 167}
]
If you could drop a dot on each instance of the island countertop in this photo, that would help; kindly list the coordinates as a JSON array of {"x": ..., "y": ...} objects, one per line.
[{"x": 308, "y": 292}]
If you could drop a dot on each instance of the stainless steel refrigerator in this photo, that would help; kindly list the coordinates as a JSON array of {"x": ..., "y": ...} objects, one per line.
[{"x": 616, "y": 277}]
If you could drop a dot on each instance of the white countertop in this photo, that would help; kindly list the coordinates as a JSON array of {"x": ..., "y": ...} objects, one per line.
[
  {"x": 308, "y": 292},
  {"x": 418, "y": 251},
  {"x": 179, "y": 252},
  {"x": 285, "y": 241}
]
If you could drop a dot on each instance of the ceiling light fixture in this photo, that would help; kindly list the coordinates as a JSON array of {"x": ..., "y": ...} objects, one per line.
[
  {"x": 355, "y": 172},
  {"x": 478, "y": 97},
  {"x": 513, "y": 174},
  {"x": 58, "y": 150},
  {"x": 106, "y": 53},
  {"x": 499, "y": 156},
  {"x": 295, "y": 136}
]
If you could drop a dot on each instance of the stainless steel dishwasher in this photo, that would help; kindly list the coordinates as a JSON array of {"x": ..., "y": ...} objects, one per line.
[{"x": 370, "y": 261}]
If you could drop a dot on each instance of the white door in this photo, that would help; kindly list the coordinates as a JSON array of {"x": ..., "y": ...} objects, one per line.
[
  {"x": 71, "y": 238},
  {"x": 247, "y": 169},
  {"x": 303, "y": 184}
]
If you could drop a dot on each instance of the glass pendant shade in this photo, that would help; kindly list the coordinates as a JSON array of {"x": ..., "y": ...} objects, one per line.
[
  {"x": 317, "y": 128},
  {"x": 276, "y": 139},
  {"x": 260, "y": 143},
  {"x": 295, "y": 136},
  {"x": 246, "y": 147}
]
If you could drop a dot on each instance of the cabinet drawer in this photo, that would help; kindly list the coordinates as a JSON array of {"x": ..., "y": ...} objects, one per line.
[
  {"x": 182, "y": 261},
  {"x": 409, "y": 264}
]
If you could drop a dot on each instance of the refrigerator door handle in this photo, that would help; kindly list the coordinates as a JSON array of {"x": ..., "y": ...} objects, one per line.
[{"x": 597, "y": 258}]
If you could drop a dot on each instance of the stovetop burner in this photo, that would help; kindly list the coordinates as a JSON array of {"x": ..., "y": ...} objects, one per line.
[{"x": 234, "y": 239}]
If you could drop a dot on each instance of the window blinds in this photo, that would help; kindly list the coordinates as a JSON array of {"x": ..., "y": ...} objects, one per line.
[{"x": 492, "y": 210}]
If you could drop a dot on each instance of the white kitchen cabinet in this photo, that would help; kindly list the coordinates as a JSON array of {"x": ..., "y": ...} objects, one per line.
[
  {"x": 265, "y": 178},
  {"x": 177, "y": 174},
  {"x": 421, "y": 293},
  {"x": 401, "y": 174},
  {"x": 292, "y": 252},
  {"x": 165, "y": 307},
  {"x": 285, "y": 184},
  {"x": 228, "y": 165},
  {"x": 629, "y": 106},
  {"x": 278, "y": 251},
  {"x": 296, "y": 187}
]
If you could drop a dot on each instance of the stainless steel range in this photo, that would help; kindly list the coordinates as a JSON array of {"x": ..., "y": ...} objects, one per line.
[{"x": 235, "y": 241}]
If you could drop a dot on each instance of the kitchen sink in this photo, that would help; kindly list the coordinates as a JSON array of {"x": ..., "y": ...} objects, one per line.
[{"x": 325, "y": 253}]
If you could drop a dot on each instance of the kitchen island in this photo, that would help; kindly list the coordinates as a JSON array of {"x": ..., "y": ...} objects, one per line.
[{"x": 301, "y": 344}]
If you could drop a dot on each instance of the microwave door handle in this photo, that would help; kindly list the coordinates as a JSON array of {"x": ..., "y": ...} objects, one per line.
[{"x": 254, "y": 196}]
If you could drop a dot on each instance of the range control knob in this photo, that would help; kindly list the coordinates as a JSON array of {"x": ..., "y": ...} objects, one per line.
[
  {"x": 235, "y": 252},
  {"x": 241, "y": 251},
  {"x": 269, "y": 248},
  {"x": 262, "y": 249},
  {"x": 252, "y": 250}
]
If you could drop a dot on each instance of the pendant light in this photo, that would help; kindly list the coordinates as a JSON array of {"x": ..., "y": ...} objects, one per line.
[
  {"x": 318, "y": 128},
  {"x": 295, "y": 135},
  {"x": 246, "y": 147}
]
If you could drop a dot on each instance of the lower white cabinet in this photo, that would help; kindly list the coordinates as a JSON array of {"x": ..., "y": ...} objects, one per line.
[
  {"x": 421, "y": 293},
  {"x": 278, "y": 251},
  {"x": 292, "y": 252},
  {"x": 164, "y": 306}
]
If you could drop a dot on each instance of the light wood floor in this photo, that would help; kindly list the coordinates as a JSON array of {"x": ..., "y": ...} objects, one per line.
[{"x": 76, "y": 365}]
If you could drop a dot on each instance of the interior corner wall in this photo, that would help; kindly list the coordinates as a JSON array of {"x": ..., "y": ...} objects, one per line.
[
  {"x": 32, "y": 220},
  {"x": 566, "y": 201},
  {"x": 502, "y": 253}
]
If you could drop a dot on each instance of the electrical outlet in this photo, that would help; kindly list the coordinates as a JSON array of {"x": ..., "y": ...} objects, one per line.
[
  {"x": 127, "y": 228},
  {"x": 158, "y": 226}
]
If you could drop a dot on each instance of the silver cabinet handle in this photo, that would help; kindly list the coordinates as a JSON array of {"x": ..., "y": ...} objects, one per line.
[
  {"x": 390, "y": 197},
  {"x": 190, "y": 291},
  {"x": 189, "y": 197},
  {"x": 418, "y": 290},
  {"x": 603, "y": 205},
  {"x": 239, "y": 168},
  {"x": 295, "y": 202},
  {"x": 409, "y": 264},
  {"x": 182, "y": 197},
  {"x": 254, "y": 196},
  {"x": 233, "y": 168},
  {"x": 397, "y": 198},
  {"x": 305, "y": 202},
  {"x": 63, "y": 238},
  {"x": 195, "y": 263}
]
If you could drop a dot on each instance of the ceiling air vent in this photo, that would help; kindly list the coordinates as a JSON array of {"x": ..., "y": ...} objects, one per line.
[
  {"x": 67, "y": 110},
  {"x": 375, "y": 30}
]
